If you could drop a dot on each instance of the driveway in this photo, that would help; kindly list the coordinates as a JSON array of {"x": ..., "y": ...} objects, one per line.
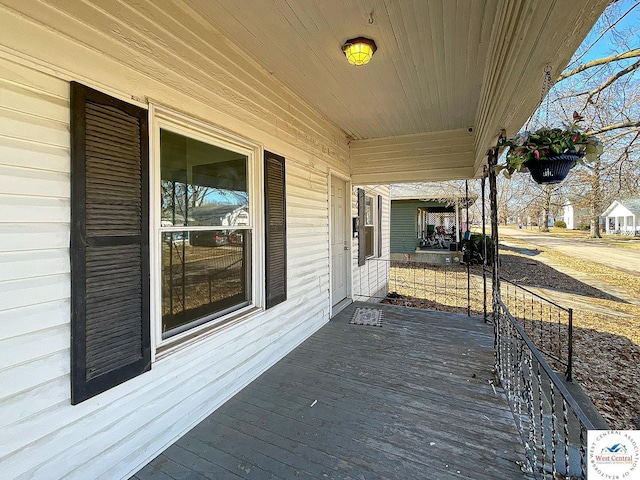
[{"x": 619, "y": 258}]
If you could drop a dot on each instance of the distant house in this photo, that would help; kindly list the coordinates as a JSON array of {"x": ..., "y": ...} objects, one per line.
[
  {"x": 575, "y": 214},
  {"x": 623, "y": 216},
  {"x": 221, "y": 214},
  {"x": 417, "y": 209}
]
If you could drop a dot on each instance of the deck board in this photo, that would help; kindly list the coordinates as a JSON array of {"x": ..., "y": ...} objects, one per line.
[{"x": 409, "y": 400}]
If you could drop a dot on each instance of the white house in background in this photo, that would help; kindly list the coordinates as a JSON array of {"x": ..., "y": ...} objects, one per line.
[
  {"x": 623, "y": 217},
  {"x": 575, "y": 216},
  {"x": 116, "y": 334},
  {"x": 568, "y": 215}
]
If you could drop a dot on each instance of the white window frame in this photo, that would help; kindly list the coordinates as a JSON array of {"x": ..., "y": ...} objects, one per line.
[
  {"x": 374, "y": 216},
  {"x": 164, "y": 118}
]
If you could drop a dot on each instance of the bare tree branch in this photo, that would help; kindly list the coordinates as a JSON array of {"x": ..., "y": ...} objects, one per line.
[
  {"x": 604, "y": 32},
  {"x": 600, "y": 61},
  {"x": 606, "y": 92},
  {"x": 614, "y": 126},
  {"x": 620, "y": 135},
  {"x": 612, "y": 79}
]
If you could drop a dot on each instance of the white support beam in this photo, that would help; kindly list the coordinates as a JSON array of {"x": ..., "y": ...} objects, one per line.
[{"x": 433, "y": 156}]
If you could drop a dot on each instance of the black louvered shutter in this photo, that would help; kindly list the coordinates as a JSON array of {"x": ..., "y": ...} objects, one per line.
[
  {"x": 276, "y": 229},
  {"x": 110, "y": 331},
  {"x": 379, "y": 225},
  {"x": 362, "y": 244}
]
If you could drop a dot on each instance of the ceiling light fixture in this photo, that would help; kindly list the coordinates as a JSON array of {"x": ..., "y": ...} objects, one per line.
[{"x": 359, "y": 50}]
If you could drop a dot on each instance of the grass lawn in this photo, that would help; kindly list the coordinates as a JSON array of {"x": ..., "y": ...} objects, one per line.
[
  {"x": 606, "y": 331},
  {"x": 625, "y": 241}
]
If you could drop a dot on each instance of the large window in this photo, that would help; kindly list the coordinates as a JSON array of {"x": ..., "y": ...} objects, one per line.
[
  {"x": 205, "y": 231},
  {"x": 207, "y": 247}
]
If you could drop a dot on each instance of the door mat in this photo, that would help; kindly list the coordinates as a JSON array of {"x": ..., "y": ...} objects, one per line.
[{"x": 367, "y": 316}]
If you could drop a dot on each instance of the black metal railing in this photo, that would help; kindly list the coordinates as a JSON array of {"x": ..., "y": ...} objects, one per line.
[
  {"x": 547, "y": 324},
  {"x": 456, "y": 287},
  {"x": 453, "y": 286},
  {"x": 533, "y": 338},
  {"x": 552, "y": 425},
  {"x": 450, "y": 287}
]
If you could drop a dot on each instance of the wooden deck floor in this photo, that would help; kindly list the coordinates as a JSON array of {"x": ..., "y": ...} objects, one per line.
[{"x": 410, "y": 400}]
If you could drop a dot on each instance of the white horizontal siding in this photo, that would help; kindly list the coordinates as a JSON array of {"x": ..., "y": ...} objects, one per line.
[
  {"x": 163, "y": 52},
  {"x": 18, "y": 237},
  {"x": 34, "y": 155},
  {"x": 113, "y": 434},
  {"x": 34, "y": 317},
  {"x": 33, "y": 291},
  {"x": 39, "y": 344},
  {"x": 33, "y": 210},
  {"x": 31, "y": 401},
  {"x": 371, "y": 278},
  {"x": 32, "y": 128},
  {"x": 155, "y": 400},
  {"x": 307, "y": 233},
  {"x": 34, "y": 257},
  {"x": 26, "y": 375},
  {"x": 27, "y": 98},
  {"x": 35, "y": 183},
  {"x": 20, "y": 265}
]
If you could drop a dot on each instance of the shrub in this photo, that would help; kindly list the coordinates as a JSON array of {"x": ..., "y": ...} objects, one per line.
[
  {"x": 473, "y": 249},
  {"x": 560, "y": 224}
]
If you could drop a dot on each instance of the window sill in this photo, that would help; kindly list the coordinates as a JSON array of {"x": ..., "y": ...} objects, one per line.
[{"x": 172, "y": 345}]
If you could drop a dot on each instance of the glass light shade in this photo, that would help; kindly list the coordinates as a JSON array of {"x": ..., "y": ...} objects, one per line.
[{"x": 359, "y": 50}]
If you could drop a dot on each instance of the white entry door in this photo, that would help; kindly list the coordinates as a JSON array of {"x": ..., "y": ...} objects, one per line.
[{"x": 339, "y": 240}]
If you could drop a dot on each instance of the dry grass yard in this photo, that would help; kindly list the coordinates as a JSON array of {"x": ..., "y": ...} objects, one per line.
[
  {"x": 625, "y": 241},
  {"x": 606, "y": 327}
]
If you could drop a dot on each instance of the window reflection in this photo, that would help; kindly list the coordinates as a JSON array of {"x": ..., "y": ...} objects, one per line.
[
  {"x": 368, "y": 212},
  {"x": 203, "y": 273},
  {"x": 206, "y": 260},
  {"x": 202, "y": 185}
]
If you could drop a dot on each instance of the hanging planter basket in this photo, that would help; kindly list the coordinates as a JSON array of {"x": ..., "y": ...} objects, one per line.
[
  {"x": 535, "y": 151},
  {"x": 553, "y": 169}
]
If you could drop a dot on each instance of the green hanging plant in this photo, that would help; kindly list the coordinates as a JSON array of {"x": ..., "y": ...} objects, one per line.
[{"x": 527, "y": 148}]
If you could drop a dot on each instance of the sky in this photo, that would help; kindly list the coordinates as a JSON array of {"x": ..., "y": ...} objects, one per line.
[
  {"x": 604, "y": 46},
  {"x": 608, "y": 44}
]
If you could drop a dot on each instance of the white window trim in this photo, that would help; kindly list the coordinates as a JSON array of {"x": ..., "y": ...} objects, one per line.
[
  {"x": 162, "y": 117},
  {"x": 374, "y": 216}
]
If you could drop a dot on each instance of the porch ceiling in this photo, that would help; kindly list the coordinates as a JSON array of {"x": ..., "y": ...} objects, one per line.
[{"x": 442, "y": 67}]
